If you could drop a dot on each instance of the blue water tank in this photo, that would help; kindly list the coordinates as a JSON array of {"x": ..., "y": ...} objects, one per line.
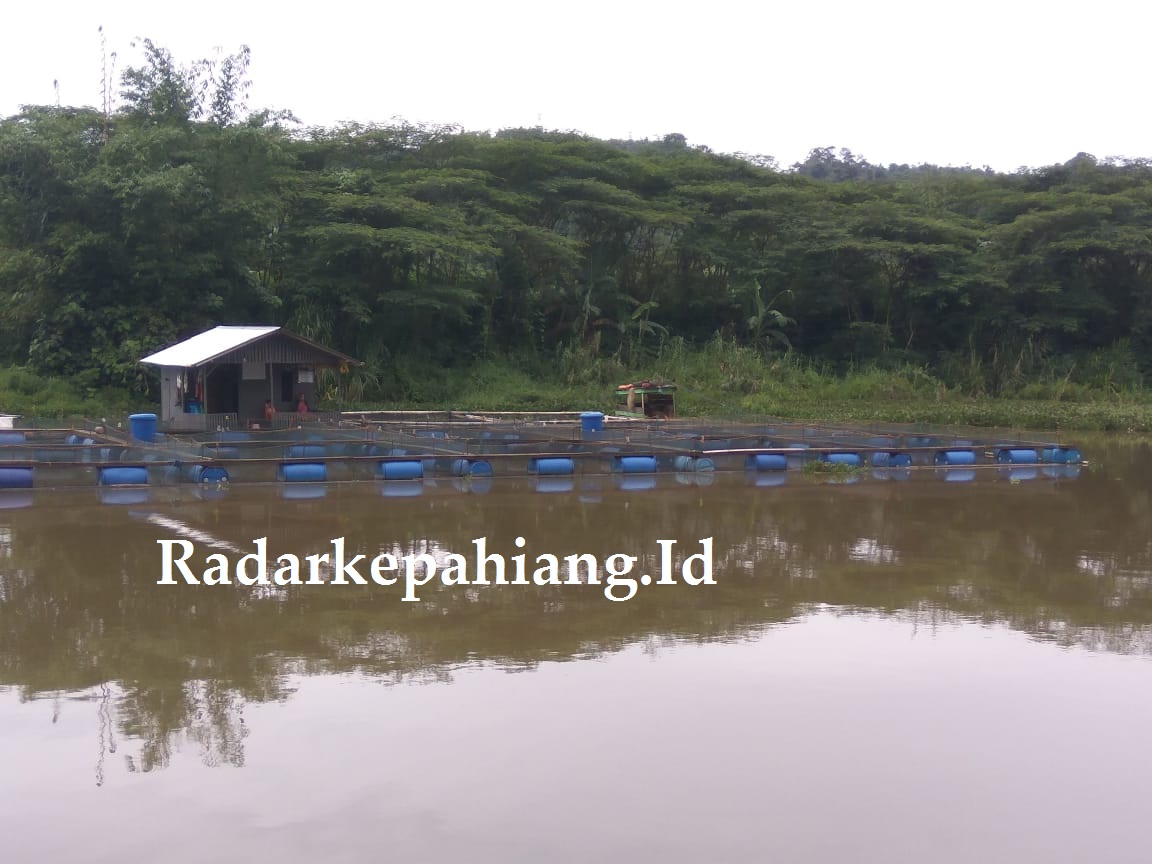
[
  {"x": 592, "y": 421},
  {"x": 142, "y": 427}
]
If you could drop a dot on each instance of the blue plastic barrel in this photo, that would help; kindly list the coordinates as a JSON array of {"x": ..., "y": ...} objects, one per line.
[
  {"x": 591, "y": 421},
  {"x": 850, "y": 459},
  {"x": 766, "y": 462},
  {"x": 210, "y": 474},
  {"x": 303, "y": 472},
  {"x": 123, "y": 475},
  {"x": 468, "y": 468},
  {"x": 956, "y": 457},
  {"x": 552, "y": 465},
  {"x": 880, "y": 460},
  {"x": 406, "y": 470},
  {"x": 636, "y": 464},
  {"x": 688, "y": 463},
  {"x": 11, "y": 437},
  {"x": 142, "y": 427},
  {"x": 15, "y": 478},
  {"x": 1017, "y": 457}
]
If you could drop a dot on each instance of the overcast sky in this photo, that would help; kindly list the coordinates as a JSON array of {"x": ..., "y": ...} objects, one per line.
[{"x": 1004, "y": 84}]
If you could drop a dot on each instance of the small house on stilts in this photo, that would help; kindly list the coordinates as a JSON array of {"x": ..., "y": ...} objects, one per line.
[{"x": 223, "y": 378}]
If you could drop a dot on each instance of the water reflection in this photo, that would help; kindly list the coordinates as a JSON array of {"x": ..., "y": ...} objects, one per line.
[{"x": 1065, "y": 559}]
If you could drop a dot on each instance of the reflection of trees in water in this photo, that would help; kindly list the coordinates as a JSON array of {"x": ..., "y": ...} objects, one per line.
[
  {"x": 208, "y": 713},
  {"x": 1067, "y": 563}
]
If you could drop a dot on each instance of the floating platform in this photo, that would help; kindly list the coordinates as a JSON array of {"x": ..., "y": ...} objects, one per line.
[{"x": 471, "y": 448}]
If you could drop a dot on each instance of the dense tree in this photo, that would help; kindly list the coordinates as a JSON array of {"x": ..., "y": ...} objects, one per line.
[{"x": 181, "y": 210}]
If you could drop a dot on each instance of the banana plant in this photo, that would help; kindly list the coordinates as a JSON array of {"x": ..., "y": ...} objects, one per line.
[{"x": 767, "y": 323}]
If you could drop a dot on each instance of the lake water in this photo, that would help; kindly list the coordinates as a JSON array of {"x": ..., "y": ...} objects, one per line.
[{"x": 897, "y": 669}]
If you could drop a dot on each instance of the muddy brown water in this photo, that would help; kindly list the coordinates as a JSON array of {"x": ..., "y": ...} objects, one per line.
[{"x": 890, "y": 669}]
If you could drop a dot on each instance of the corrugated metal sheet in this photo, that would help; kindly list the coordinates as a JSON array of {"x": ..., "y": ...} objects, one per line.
[
  {"x": 207, "y": 346},
  {"x": 246, "y": 344}
]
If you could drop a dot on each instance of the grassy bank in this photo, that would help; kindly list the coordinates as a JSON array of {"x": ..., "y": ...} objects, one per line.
[
  {"x": 32, "y": 395},
  {"x": 726, "y": 380},
  {"x": 721, "y": 380}
]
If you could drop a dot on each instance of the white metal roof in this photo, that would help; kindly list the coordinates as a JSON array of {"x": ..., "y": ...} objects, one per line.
[{"x": 207, "y": 345}]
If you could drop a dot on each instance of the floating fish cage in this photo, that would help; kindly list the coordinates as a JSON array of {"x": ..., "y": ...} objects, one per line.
[{"x": 401, "y": 453}]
